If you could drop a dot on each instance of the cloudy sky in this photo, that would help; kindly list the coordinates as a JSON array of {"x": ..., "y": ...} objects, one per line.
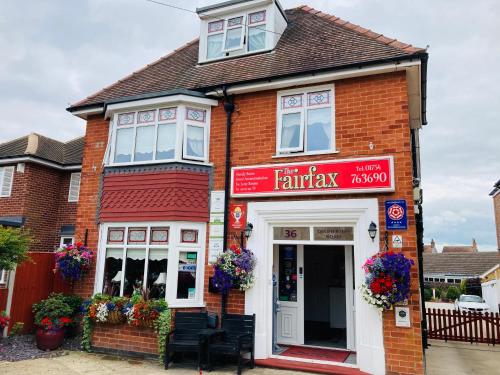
[{"x": 55, "y": 52}]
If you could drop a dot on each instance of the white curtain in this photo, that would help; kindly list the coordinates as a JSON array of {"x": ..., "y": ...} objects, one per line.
[
  {"x": 257, "y": 38},
  {"x": 214, "y": 46},
  {"x": 114, "y": 253},
  {"x": 290, "y": 130},
  {"x": 158, "y": 254},
  {"x": 195, "y": 141}
]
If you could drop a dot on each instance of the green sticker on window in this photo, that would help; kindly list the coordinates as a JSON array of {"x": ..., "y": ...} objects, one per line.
[{"x": 192, "y": 255}]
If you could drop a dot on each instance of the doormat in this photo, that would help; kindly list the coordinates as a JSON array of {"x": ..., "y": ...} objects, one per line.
[{"x": 331, "y": 355}]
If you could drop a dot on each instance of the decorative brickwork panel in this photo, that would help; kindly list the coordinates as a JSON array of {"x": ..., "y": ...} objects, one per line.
[{"x": 169, "y": 195}]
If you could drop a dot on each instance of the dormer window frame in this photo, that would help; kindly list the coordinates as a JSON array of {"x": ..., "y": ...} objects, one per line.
[
  {"x": 241, "y": 26},
  {"x": 260, "y": 25}
]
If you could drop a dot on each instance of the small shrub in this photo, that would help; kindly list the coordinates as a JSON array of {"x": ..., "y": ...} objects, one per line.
[
  {"x": 427, "y": 294},
  {"x": 16, "y": 329},
  {"x": 54, "y": 307},
  {"x": 438, "y": 292},
  {"x": 452, "y": 293}
]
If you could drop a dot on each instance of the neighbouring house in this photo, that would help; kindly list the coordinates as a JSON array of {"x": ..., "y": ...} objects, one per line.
[
  {"x": 495, "y": 194},
  {"x": 490, "y": 287},
  {"x": 445, "y": 269},
  {"x": 39, "y": 190},
  {"x": 461, "y": 249},
  {"x": 321, "y": 118},
  {"x": 431, "y": 248}
]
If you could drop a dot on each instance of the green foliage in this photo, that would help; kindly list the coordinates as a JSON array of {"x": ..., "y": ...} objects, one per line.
[
  {"x": 438, "y": 292},
  {"x": 463, "y": 284},
  {"x": 54, "y": 307},
  {"x": 86, "y": 334},
  {"x": 17, "y": 329},
  {"x": 427, "y": 294},
  {"x": 162, "y": 325},
  {"x": 14, "y": 246},
  {"x": 452, "y": 293}
]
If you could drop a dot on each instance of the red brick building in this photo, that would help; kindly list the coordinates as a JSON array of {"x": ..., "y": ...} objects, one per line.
[
  {"x": 321, "y": 119},
  {"x": 495, "y": 194},
  {"x": 39, "y": 188}
]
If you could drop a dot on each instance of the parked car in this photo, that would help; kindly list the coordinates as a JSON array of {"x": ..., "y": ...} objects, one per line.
[{"x": 470, "y": 303}]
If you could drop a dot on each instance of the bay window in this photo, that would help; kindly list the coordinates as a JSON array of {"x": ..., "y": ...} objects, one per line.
[
  {"x": 165, "y": 259},
  {"x": 160, "y": 134},
  {"x": 306, "y": 121}
]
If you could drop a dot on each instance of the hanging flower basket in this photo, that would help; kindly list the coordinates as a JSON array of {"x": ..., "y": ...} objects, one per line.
[
  {"x": 73, "y": 260},
  {"x": 234, "y": 269},
  {"x": 387, "y": 280}
]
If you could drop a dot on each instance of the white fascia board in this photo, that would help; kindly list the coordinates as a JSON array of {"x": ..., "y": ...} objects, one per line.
[
  {"x": 493, "y": 269},
  {"x": 165, "y": 100},
  {"x": 84, "y": 113},
  {"x": 26, "y": 159},
  {"x": 233, "y": 8},
  {"x": 314, "y": 78}
]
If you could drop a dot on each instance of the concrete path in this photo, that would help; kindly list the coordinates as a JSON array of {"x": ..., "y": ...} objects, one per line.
[
  {"x": 457, "y": 358},
  {"x": 77, "y": 363}
]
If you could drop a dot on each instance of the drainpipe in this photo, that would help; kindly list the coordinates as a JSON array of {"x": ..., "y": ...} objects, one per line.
[
  {"x": 229, "y": 109},
  {"x": 419, "y": 222}
]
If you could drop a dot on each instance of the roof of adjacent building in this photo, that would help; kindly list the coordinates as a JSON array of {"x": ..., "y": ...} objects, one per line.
[
  {"x": 313, "y": 41},
  {"x": 460, "y": 264},
  {"x": 38, "y": 146},
  {"x": 459, "y": 249},
  {"x": 496, "y": 188}
]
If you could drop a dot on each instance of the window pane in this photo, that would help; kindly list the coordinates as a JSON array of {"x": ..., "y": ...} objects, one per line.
[
  {"x": 124, "y": 143},
  {"x": 144, "y": 143},
  {"x": 113, "y": 271},
  {"x": 134, "y": 270},
  {"x": 257, "y": 17},
  {"x": 137, "y": 236},
  {"x": 256, "y": 38},
  {"x": 319, "y": 129},
  {"x": 67, "y": 240},
  {"x": 290, "y": 130},
  {"x": 195, "y": 145},
  {"x": 157, "y": 272},
  {"x": 186, "y": 282},
  {"x": 215, "y": 26},
  {"x": 165, "y": 145},
  {"x": 233, "y": 38},
  {"x": 214, "y": 46}
]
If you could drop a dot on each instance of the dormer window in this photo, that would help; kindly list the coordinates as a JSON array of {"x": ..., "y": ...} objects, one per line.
[{"x": 231, "y": 29}]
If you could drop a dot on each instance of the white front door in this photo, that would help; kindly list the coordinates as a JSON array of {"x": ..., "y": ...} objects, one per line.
[{"x": 289, "y": 269}]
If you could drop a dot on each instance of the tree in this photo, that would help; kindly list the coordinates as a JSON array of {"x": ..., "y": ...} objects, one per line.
[
  {"x": 452, "y": 293},
  {"x": 14, "y": 246}
]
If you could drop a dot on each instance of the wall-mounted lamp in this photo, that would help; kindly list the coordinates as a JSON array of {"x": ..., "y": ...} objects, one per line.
[
  {"x": 372, "y": 231},
  {"x": 246, "y": 234}
]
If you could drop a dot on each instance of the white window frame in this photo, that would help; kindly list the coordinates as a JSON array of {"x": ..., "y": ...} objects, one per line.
[
  {"x": 180, "y": 134},
  {"x": 257, "y": 24},
  {"x": 223, "y": 32},
  {"x": 71, "y": 181},
  {"x": 61, "y": 241},
  {"x": 2, "y": 177},
  {"x": 302, "y": 149},
  {"x": 174, "y": 246},
  {"x": 3, "y": 277},
  {"x": 227, "y": 27},
  {"x": 197, "y": 124}
]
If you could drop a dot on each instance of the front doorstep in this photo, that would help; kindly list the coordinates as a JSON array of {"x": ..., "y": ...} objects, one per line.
[{"x": 308, "y": 367}]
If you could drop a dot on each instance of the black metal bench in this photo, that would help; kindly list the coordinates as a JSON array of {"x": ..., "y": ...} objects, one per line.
[
  {"x": 237, "y": 339},
  {"x": 185, "y": 337}
]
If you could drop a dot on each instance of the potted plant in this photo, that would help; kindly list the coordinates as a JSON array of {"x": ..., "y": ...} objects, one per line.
[
  {"x": 234, "y": 269},
  {"x": 387, "y": 280},
  {"x": 73, "y": 260},
  {"x": 52, "y": 315},
  {"x": 106, "y": 309},
  {"x": 4, "y": 322}
]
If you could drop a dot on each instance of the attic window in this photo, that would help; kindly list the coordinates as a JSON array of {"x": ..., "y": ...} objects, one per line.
[{"x": 232, "y": 33}]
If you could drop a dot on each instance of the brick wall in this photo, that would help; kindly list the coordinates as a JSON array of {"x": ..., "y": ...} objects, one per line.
[
  {"x": 496, "y": 205},
  {"x": 40, "y": 195},
  {"x": 373, "y": 109}
]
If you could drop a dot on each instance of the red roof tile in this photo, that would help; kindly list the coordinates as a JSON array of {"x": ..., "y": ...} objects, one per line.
[{"x": 313, "y": 41}]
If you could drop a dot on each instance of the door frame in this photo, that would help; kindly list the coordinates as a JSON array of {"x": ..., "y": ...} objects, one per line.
[{"x": 358, "y": 213}]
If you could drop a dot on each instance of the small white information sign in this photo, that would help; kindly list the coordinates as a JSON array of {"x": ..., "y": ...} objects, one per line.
[
  {"x": 214, "y": 248},
  {"x": 217, "y": 201},
  {"x": 397, "y": 241},
  {"x": 402, "y": 316},
  {"x": 216, "y": 231}
]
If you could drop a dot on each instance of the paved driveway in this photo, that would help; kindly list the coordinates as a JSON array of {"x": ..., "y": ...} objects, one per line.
[
  {"x": 456, "y": 358},
  {"x": 77, "y": 363}
]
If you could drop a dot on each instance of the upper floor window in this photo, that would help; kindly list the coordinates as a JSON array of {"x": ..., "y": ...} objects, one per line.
[
  {"x": 6, "y": 180},
  {"x": 161, "y": 134},
  {"x": 3, "y": 277},
  {"x": 306, "y": 121},
  {"x": 74, "y": 187},
  {"x": 239, "y": 32}
]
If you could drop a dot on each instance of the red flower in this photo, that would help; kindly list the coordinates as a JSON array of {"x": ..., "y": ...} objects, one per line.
[
  {"x": 233, "y": 248},
  {"x": 79, "y": 244},
  {"x": 65, "y": 320}
]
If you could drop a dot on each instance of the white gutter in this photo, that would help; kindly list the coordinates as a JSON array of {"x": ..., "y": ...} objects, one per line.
[
  {"x": 313, "y": 78},
  {"x": 35, "y": 160},
  {"x": 84, "y": 113}
]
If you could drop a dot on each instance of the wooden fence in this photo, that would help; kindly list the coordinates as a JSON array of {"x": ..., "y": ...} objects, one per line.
[
  {"x": 454, "y": 325},
  {"x": 33, "y": 282}
]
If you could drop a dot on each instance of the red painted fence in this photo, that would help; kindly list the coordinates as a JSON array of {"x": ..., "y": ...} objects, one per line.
[
  {"x": 34, "y": 281},
  {"x": 454, "y": 325}
]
